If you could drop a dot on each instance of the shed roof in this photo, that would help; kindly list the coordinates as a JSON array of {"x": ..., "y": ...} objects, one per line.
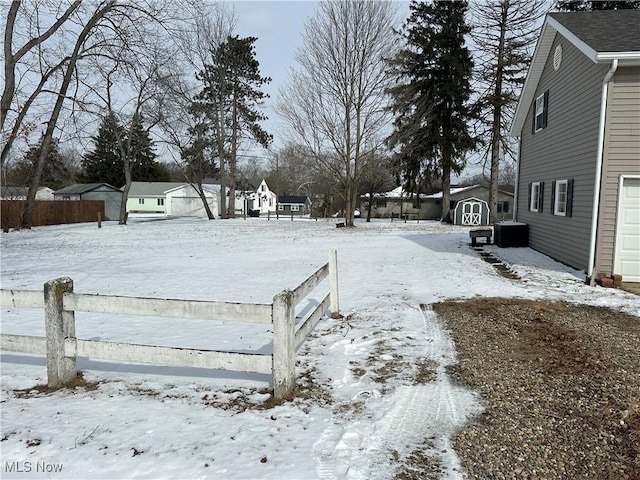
[{"x": 79, "y": 188}]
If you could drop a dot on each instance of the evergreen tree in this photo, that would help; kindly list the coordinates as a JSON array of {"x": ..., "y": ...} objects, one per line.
[
  {"x": 55, "y": 173},
  {"x": 229, "y": 100},
  {"x": 587, "y": 5},
  {"x": 104, "y": 163},
  {"x": 431, "y": 129},
  {"x": 144, "y": 167}
]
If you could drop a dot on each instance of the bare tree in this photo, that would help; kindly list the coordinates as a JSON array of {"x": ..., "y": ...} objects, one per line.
[
  {"x": 505, "y": 34},
  {"x": 334, "y": 102},
  {"x": 23, "y": 21}
]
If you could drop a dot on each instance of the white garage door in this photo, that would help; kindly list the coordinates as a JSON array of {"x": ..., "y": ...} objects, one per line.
[
  {"x": 191, "y": 207},
  {"x": 627, "y": 254}
]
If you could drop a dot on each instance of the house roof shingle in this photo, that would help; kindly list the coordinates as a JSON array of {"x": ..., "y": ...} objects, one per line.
[{"x": 605, "y": 30}]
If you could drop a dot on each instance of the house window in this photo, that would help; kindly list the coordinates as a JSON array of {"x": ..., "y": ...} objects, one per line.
[
  {"x": 161, "y": 201},
  {"x": 295, "y": 208},
  {"x": 536, "y": 195},
  {"x": 141, "y": 201},
  {"x": 381, "y": 204},
  {"x": 541, "y": 112},
  {"x": 562, "y": 197},
  {"x": 66, "y": 197},
  {"x": 503, "y": 207},
  {"x": 280, "y": 207}
]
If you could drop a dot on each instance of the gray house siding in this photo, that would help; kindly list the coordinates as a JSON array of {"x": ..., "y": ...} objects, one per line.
[
  {"x": 564, "y": 150},
  {"x": 622, "y": 156}
]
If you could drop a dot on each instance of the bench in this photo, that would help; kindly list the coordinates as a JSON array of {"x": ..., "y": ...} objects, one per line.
[{"x": 480, "y": 233}]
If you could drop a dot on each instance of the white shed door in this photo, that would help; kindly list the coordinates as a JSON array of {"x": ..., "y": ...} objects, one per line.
[
  {"x": 627, "y": 249},
  {"x": 471, "y": 213}
]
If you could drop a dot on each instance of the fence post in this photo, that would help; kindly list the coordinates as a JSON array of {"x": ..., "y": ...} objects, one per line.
[
  {"x": 333, "y": 283},
  {"x": 59, "y": 325},
  {"x": 284, "y": 350}
]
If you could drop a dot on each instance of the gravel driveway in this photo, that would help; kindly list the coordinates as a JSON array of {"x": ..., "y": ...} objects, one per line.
[{"x": 560, "y": 385}]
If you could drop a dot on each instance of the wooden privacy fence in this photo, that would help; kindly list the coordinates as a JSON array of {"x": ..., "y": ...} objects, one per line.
[
  {"x": 51, "y": 212},
  {"x": 61, "y": 346}
]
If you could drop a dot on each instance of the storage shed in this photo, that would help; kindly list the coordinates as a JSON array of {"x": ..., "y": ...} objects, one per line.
[
  {"x": 471, "y": 211},
  {"x": 111, "y": 196}
]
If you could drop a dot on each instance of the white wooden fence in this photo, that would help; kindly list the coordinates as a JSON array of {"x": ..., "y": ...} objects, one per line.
[{"x": 61, "y": 346}]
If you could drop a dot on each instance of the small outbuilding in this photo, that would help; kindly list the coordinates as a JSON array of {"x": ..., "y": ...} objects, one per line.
[
  {"x": 294, "y": 205},
  {"x": 111, "y": 196},
  {"x": 184, "y": 201},
  {"x": 471, "y": 211}
]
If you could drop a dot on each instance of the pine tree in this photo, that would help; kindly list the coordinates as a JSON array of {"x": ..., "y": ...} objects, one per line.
[
  {"x": 230, "y": 99},
  {"x": 431, "y": 129},
  {"x": 144, "y": 167},
  {"x": 104, "y": 163},
  {"x": 55, "y": 173}
]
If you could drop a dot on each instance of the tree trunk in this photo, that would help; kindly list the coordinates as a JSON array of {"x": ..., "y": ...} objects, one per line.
[
  {"x": 497, "y": 120},
  {"x": 234, "y": 158},
  {"x": 446, "y": 188},
  {"x": 125, "y": 192},
  {"x": 203, "y": 197}
]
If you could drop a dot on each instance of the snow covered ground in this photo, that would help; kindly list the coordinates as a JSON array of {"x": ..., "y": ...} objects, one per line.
[{"x": 366, "y": 411}]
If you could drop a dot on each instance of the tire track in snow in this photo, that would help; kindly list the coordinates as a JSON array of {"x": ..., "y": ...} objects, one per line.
[{"x": 435, "y": 411}]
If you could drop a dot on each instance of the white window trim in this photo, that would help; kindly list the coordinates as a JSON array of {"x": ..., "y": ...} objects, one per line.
[
  {"x": 535, "y": 194},
  {"x": 280, "y": 207},
  {"x": 140, "y": 201},
  {"x": 539, "y": 112},
  {"x": 557, "y": 203},
  {"x": 295, "y": 208}
]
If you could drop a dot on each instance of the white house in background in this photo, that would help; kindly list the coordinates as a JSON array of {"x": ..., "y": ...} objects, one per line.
[
  {"x": 149, "y": 197},
  {"x": 263, "y": 200},
  {"x": 20, "y": 193},
  {"x": 184, "y": 201}
]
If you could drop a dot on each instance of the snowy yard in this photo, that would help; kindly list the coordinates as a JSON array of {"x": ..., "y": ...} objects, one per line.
[{"x": 363, "y": 404}]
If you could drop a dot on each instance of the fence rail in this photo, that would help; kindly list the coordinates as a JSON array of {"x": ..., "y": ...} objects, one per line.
[{"x": 62, "y": 347}]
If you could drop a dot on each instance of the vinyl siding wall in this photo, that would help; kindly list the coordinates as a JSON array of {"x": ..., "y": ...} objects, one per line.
[
  {"x": 565, "y": 149},
  {"x": 622, "y": 156}
]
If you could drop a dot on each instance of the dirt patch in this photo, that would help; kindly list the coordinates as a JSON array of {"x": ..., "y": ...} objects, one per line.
[
  {"x": 559, "y": 384},
  {"x": 78, "y": 382}
]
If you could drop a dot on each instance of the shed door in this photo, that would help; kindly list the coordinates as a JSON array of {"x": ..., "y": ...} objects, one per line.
[
  {"x": 627, "y": 248},
  {"x": 471, "y": 213}
]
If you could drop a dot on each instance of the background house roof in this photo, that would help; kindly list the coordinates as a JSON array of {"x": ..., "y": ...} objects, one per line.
[
  {"x": 601, "y": 35},
  {"x": 78, "y": 188},
  {"x": 292, "y": 199},
  {"x": 142, "y": 189}
]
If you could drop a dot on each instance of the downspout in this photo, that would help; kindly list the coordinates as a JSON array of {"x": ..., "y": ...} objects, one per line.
[
  {"x": 598, "y": 179},
  {"x": 517, "y": 190}
]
